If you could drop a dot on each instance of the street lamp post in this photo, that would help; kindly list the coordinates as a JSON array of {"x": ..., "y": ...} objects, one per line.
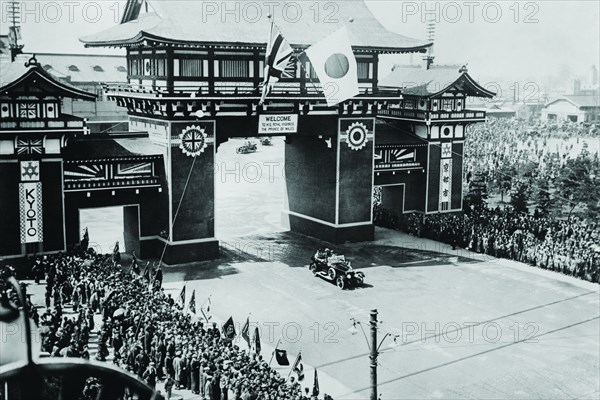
[
  {"x": 373, "y": 346},
  {"x": 374, "y": 353}
]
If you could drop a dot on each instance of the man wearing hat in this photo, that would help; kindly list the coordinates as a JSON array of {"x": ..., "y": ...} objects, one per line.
[{"x": 150, "y": 375}]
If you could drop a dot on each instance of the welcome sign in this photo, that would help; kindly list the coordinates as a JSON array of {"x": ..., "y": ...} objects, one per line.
[
  {"x": 30, "y": 201},
  {"x": 278, "y": 123}
]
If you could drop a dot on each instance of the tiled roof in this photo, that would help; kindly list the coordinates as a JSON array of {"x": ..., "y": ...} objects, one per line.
[
  {"x": 431, "y": 82},
  {"x": 188, "y": 21},
  {"x": 584, "y": 101},
  {"x": 18, "y": 78},
  {"x": 81, "y": 68}
]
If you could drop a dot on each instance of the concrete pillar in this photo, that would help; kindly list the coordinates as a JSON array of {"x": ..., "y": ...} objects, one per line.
[
  {"x": 329, "y": 180},
  {"x": 190, "y": 172}
]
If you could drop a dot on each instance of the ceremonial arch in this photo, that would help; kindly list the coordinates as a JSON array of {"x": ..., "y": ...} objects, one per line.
[{"x": 192, "y": 89}]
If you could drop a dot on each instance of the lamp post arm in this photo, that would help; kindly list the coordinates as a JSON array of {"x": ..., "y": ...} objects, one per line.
[
  {"x": 364, "y": 334},
  {"x": 382, "y": 340}
]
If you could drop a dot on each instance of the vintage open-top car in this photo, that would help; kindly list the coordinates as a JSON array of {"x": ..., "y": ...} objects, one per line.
[
  {"x": 248, "y": 147},
  {"x": 266, "y": 141},
  {"x": 335, "y": 268}
]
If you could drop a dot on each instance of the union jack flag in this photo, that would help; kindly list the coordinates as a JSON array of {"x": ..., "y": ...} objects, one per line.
[
  {"x": 30, "y": 146},
  {"x": 278, "y": 56}
]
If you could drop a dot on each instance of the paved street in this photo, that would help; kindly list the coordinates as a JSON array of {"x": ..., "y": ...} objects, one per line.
[
  {"x": 536, "y": 334},
  {"x": 473, "y": 327}
]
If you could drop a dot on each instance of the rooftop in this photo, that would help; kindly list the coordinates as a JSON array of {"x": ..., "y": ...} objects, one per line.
[
  {"x": 198, "y": 23},
  {"x": 433, "y": 82},
  {"x": 22, "y": 79},
  {"x": 81, "y": 68}
]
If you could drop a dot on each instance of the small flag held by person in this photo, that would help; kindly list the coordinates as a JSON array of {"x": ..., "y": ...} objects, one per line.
[
  {"x": 316, "y": 391},
  {"x": 205, "y": 312},
  {"x": 192, "y": 305},
  {"x": 182, "y": 296},
  {"x": 246, "y": 331},
  {"x": 257, "y": 346},
  {"x": 229, "y": 329},
  {"x": 278, "y": 55},
  {"x": 298, "y": 367},
  {"x": 281, "y": 357}
]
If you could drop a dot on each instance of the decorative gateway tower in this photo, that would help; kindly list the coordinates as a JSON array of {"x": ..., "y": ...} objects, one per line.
[{"x": 195, "y": 70}]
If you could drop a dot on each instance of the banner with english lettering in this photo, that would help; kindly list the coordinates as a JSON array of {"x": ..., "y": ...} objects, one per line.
[{"x": 30, "y": 203}]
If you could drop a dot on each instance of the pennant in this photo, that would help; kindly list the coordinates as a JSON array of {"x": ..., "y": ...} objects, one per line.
[
  {"x": 298, "y": 367},
  {"x": 86, "y": 237},
  {"x": 229, "y": 329},
  {"x": 245, "y": 331},
  {"x": 192, "y": 305},
  {"x": 334, "y": 63},
  {"x": 257, "y": 346},
  {"x": 278, "y": 56},
  {"x": 146, "y": 274},
  {"x": 135, "y": 268},
  {"x": 281, "y": 357},
  {"x": 315, "y": 391},
  {"x": 182, "y": 296}
]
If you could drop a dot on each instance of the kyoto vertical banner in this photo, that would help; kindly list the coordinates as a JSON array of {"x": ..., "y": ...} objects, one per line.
[
  {"x": 445, "y": 183},
  {"x": 30, "y": 202}
]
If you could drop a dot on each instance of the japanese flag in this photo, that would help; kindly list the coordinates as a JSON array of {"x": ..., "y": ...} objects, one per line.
[{"x": 335, "y": 65}]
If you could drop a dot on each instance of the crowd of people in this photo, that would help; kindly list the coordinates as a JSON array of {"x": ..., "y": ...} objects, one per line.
[
  {"x": 558, "y": 245},
  {"x": 493, "y": 147},
  {"x": 533, "y": 154},
  {"x": 147, "y": 332}
]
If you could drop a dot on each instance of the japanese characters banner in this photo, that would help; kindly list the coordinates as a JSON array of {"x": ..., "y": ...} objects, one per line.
[{"x": 445, "y": 183}]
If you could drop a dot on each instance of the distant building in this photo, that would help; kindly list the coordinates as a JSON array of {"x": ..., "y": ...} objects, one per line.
[
  {"x": 87, "y": 73},
  {"x": 572, "y": 108}
]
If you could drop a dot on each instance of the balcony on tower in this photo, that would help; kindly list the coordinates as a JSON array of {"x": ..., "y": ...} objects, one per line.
[
  {"x": 202, "y": 56},
  {"x": 437, "y": 94}
]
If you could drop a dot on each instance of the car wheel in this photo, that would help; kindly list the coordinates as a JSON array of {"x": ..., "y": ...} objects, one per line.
[
  {"x": 332, "y": 273},
  {"x": 359, "y": 280},
  {"x": 313, "y": 268},
  {"x": 340, "y": 282}
]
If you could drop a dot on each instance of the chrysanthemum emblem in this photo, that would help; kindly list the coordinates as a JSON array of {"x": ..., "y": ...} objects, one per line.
[
  {"x": 357, "y": 136},
  {"x": 193, "y": 141}
]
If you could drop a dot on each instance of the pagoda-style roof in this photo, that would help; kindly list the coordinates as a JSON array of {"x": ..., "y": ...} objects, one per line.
[
  {"x": 434, "y": 82},
  {"x": 197, "y": 23},
  {"x": 30, "y": 79}
]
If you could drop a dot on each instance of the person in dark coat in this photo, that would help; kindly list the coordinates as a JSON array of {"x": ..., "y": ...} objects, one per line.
[{"x": 195, "y": 375}]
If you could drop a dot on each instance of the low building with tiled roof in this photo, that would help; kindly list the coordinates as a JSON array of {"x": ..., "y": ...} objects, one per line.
[{"x": 573, "y": 108}]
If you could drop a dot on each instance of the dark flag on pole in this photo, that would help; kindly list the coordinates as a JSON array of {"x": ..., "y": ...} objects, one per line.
[
  {"x": 256, "y": 341},
  {"x": 246, "y": 331},
  {"x": 316, "y": 385},
  {"x": 229, "y": 329},
  {"x": 86, "y": 240},
  {"x": 192, "y": 305},
  {"x": 281, "y": 357},
  {"x": 182, "y": 296},
  {"x": 298, "y": 367}
]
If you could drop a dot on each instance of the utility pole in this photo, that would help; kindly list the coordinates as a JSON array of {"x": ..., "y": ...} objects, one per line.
[{"x": 374, "y": 353}]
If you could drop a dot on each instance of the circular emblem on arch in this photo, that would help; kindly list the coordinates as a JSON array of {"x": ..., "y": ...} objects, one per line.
[
  {"x": 193, "y": 141},
  {"x": 357, "y": 136},
  {"x": 337, "y": 66}
]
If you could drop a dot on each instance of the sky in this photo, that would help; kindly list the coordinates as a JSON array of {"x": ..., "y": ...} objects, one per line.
[{"x": 512, "y": 40}]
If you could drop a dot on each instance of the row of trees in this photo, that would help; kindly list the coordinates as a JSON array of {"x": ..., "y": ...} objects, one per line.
[{"x": 573, "y": 188}]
